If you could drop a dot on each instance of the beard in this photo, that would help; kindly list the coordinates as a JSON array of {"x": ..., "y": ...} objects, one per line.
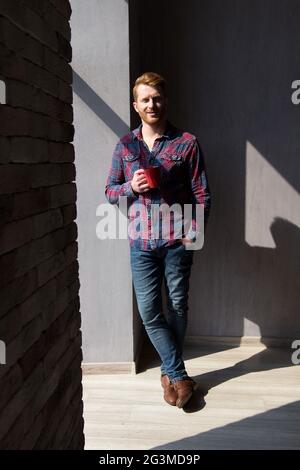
[{"x": 153, "y": 118}]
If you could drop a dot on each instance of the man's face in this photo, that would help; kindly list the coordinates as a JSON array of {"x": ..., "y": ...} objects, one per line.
[{"x": 150, "y": 104}]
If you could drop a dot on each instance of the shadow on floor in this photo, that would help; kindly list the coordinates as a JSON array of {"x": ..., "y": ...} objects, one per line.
[
  {"x": 267, "y": 359},
  {"x": 275, "y": 429}
]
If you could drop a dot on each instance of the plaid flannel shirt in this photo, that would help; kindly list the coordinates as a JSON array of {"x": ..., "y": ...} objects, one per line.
[{"x": 183, "y": 180}]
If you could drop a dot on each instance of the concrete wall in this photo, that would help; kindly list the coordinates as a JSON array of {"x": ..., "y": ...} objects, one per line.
[
  {"x": 230, "y": 69},
  {"x": 101, "y": 115}
]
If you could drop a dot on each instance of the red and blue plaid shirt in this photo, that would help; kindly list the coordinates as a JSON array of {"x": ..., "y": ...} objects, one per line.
[{"x": 183, "y": 179}]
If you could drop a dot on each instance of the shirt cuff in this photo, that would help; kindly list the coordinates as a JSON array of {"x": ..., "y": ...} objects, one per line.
[{"x": 128, "y": 191}]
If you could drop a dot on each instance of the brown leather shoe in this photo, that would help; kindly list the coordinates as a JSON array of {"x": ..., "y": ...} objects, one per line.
[
  {"x": 170, "y": 395},
  {"x": 184, "y": 389}
]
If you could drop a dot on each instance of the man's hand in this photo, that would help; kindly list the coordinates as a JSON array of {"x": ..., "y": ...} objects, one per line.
[
  {"x": 186, "y": 241},
  {"x": 139, "y": 182}
]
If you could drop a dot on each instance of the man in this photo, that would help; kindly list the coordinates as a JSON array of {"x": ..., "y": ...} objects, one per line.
[{"x": 154, "y": 258}]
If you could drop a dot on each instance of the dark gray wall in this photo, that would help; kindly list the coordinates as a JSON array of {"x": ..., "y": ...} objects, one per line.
[{"x": 230, "y": 66}]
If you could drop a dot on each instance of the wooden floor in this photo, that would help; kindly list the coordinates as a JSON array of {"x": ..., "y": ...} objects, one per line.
[{"x": 248, "y": 399}]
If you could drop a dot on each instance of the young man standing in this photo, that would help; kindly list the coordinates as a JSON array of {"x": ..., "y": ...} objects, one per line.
[{"x": 154, "y": 258}]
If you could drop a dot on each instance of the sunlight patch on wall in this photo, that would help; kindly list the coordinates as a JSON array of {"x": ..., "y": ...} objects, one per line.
[
  {"x": 251, "y": 328},
  {"x": 268, "y": 195}
]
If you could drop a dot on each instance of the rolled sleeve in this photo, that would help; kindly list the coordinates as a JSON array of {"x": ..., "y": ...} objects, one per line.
[{"x": 115, "y": 183}]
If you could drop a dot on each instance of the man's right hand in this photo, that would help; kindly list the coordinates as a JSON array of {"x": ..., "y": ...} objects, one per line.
[{"x": 139, "y": 182}]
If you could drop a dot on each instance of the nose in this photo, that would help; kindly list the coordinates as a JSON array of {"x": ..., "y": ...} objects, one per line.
[{"x": 152, "y": 104}]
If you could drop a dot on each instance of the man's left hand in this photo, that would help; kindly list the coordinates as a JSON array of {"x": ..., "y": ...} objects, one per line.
[{"x": 186, "y": 241}]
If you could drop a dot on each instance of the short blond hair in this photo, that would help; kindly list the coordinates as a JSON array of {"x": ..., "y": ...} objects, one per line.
[{"x": 152, "y": 79}]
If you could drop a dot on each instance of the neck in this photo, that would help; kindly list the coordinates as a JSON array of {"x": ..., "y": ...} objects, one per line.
[{"x": 153, "y": 130}]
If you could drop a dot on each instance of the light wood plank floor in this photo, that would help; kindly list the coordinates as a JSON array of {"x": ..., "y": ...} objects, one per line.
[{"x": 248, "y": 399}]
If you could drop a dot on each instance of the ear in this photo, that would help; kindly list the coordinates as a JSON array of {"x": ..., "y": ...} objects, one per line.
[{"x": 134, "y": 104}]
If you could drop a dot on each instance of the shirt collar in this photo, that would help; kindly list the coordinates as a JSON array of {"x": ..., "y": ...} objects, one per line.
[{"x": 169, "y": 132}]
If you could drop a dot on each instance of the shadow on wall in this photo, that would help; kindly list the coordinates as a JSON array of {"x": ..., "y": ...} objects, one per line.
[
  {"x": 98, "y": 106},
  {"x": 230, "y": 73},
  {"x": 229, "y": 76}
]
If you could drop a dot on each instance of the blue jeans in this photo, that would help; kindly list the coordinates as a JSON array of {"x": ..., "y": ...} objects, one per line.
[{"x": 173, "y": 264}]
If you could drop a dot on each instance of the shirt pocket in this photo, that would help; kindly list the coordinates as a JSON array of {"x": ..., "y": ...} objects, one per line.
[
  {"x": 172, "y": 167},
  {"x": 131, "y": 164},
  {"x": 171, "y": 160}
]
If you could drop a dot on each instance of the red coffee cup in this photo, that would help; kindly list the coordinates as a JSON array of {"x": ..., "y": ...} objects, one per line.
[{"x": 153, "y": 176}]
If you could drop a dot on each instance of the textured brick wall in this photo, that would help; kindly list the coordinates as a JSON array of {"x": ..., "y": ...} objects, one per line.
[{"x": 40, "y": 384}]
